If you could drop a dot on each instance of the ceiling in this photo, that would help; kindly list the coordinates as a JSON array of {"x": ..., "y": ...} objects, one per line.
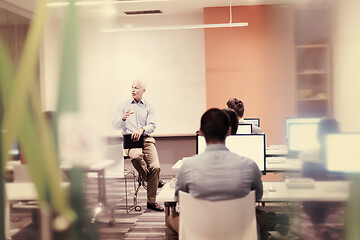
[
  {"x": 9, "y": 18},
  {"x": 167, "y": 7}
]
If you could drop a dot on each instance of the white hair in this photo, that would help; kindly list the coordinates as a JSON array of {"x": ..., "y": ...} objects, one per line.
[{"x": 142, "y": 84}]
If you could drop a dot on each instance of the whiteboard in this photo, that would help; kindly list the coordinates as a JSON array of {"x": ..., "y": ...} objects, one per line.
[{"x": 172, "y": 63}]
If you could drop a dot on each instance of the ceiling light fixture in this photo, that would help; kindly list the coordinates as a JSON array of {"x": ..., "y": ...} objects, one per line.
[
  {"x": 96, "y": 2},
  {"x": 179, "y": 27}
]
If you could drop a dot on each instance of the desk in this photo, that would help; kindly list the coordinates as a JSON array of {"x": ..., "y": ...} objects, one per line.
[
  {"x": 323, "y": 191},
  {"x": 10, "y": 165},
  {"x": 24, "y": 191},
  {"x": 326, "y": 191},
  {"x": 99, "y": 169},
  {"x": 21, "y": 192},
  {"x": 282, "y": 164},
  {"x": 276, "y": 151},
  {"x": 273, "y": 164}
]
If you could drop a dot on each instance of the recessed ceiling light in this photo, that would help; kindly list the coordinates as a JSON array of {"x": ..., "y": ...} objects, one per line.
[{"x": 57, "y": 4}]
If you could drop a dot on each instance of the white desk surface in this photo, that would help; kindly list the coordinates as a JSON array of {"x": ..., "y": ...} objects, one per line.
[
  {"x": 276, "y": 150},
  {"x": 10, "y": 165},
  {"x": 283, "y": 164},
  {"x": 98, "y": 166},
  {"x": 273, "y": 164},
  {"x": 177, "y": 165},
  {"x": 327, "y": 191},
  {"x": 21, "y": 191},
  {"x": 24, "y": 191}
]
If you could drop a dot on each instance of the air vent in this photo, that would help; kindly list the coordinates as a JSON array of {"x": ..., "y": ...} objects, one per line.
[{"x": 142, "y": 12}]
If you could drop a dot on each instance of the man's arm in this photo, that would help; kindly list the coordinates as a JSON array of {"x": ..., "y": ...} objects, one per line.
[
  {"x": 180, "y": 182},
  {"x": 118, "y": 123},
  {"x": 150, "y": 122},
  {"x": 257, "y": 183}
]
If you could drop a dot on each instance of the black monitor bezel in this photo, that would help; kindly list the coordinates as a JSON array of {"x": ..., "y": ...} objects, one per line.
[
  {"x": 257, "y": 119},
  {"x": 246, "y": 124}
]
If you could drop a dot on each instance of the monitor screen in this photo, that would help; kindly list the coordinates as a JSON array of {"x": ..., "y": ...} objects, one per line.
[
  {"x": 248, "y": 145},
  {"x": 302, "y": 136},
  {"x": 298, "y": 120},
  {"x": 342, "y": 152},
  {"x": 15, "y": 151},
  {"x": 244, "y": 129},
  {"x": 253, "y": 121}
]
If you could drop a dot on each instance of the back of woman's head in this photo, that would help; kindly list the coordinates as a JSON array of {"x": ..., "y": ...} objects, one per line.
[
  {"x": 237, "y": 105},
  {"x": 234, "y": 122},
  {"x": 326, "y": 126}
]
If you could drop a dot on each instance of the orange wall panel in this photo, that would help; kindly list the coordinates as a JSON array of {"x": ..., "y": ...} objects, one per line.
[{"x": 254, "y": 63}]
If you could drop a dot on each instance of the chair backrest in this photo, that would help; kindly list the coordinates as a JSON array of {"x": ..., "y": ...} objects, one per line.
[
  {"x": 116, "y": 153},
  {"x": 229, "y": 219},
  {"x": 22, "y": 173}
]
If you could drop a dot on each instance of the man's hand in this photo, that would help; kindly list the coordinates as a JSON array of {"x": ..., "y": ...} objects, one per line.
[
  {"x": 137, "y": 134},
  {"x": 127, "y": 114}
]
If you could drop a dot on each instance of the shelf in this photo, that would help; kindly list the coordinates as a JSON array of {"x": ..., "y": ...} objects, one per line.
[
  {"x": 312, "y": 99},
  {"x": 313, "y": 46},
  {"x": 313, "y": 61},
  {"x": 311, "y": 72}
]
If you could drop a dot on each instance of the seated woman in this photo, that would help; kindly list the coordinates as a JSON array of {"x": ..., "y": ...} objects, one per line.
[
  {"x": 239, "y": 108},
  {"x": 314, "y": 159},
  {"x": 314, "y": 167},
  {"x": 233, "y": 120}
]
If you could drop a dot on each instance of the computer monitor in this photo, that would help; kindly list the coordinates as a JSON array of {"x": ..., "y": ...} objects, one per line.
[
  {"x": 15, "y": 151},
  {"x": 302, "y": 136},
  {"x": 244, "y": 128},
  {"x": 253, "y": 121},
  {"x": 342, "y": 152},
  {"x": 298, "y": 120},
  {"x": 247, "y": 145}
]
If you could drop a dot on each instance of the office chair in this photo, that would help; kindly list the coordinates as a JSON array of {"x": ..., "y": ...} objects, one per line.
[
  {"x": 140, "y": 183},
  {"x": 230, "y": 219},
  {"x": 21, "y": 173}
]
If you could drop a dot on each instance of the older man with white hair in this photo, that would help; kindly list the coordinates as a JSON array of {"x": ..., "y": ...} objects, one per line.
[{"x": 136, "y": 118}]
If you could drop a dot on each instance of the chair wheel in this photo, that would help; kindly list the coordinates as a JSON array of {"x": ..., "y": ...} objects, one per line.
[
  {"x": 137, "y": 208},
  {"x": 112, "y": 222}
]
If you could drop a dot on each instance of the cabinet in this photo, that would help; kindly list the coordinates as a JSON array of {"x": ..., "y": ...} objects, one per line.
[{"x": 313, "y": 68}]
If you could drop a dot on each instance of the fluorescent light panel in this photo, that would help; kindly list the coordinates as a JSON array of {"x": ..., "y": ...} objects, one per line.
[
  {"x": 84, "y": 3},
  {"x": 80, "y": 3},
  {"x": 176, "y": 27}
]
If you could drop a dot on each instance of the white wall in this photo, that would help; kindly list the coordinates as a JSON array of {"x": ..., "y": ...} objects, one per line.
[
  {"x": 171, "y": 62},
  {"x": 49, "y": 64},
  {"x": 346, "y": 57}
]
